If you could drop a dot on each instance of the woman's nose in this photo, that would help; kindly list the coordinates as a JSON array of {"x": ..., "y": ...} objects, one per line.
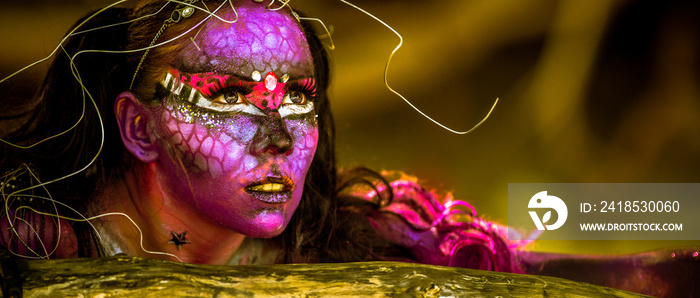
[{"x": 272, "y": 137}]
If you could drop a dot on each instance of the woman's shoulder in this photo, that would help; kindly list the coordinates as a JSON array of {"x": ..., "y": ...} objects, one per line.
[
  {"x": 37, "y": 236},
  {"x": 30, "y": 224}
]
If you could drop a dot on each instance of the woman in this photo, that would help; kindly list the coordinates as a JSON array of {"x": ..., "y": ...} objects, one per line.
[
  {"x": 224, "y": 138},
  {"x": 218, "y": 149}
]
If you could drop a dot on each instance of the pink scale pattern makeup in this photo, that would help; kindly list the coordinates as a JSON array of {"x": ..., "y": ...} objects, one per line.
[{"x": 265, "y": 43}]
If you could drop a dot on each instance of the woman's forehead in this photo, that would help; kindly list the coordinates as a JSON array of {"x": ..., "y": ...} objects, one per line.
[{"x": 260, "y": 41}]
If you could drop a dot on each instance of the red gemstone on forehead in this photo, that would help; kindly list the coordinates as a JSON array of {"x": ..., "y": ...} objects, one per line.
[{"x": 270, "y": 81}]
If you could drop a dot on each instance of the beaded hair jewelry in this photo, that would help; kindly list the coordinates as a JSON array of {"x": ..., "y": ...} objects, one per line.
[{"x": 181, "y": 12}]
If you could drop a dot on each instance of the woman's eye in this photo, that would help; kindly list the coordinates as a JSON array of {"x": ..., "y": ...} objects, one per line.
[
  {"x": 230, "y": 98},
  {"x": 294, "y": 97}
]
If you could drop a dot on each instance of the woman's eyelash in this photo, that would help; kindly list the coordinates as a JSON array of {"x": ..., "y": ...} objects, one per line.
[{"x": 306, "y": 86}]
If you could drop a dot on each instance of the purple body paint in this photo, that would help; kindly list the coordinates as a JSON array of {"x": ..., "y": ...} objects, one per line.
[{"x": 234, "y": 148}]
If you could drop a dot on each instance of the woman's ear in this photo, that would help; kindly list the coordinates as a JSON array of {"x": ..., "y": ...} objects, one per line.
[{"x": 132, "y": 120}]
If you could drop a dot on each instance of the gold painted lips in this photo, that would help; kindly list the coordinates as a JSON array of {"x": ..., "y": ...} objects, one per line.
[
  {"x": 272, "y": 190},
  {"x": 268, "y": 187},
  {"x": 271, "y": 185}
]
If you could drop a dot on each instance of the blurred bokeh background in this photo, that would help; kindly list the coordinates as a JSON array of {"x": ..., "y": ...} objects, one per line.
[{"x": 590, "y": 91}]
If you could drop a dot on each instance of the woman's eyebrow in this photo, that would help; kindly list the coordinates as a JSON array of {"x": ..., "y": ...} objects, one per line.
[
  {"x": 249, "y": 79},
  {"x": 205, "y": 68},
  {"x": 210, "y": 75},
  {"x": 205, "y": 79}
]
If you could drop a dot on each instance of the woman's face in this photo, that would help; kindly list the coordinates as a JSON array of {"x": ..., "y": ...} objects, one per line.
[{"x": 237, "y": 129}]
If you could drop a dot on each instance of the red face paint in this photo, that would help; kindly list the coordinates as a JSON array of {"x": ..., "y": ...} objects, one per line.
[
  {"x": 226, "y": 93},
  {"x": 232, "y": 148}
]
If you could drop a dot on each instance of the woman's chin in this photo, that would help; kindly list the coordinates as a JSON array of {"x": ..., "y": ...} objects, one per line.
[{"x": 267, "y": 224}]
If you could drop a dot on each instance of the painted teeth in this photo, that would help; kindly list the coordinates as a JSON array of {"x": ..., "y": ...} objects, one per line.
[{"x": 268, "y": 187}]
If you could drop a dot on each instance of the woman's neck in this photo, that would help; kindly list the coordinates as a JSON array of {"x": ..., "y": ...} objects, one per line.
[{"x": 167, "y": 226}]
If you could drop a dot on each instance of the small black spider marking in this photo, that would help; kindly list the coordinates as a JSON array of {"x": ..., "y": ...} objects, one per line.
[{"x": 179, "y": 239}]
